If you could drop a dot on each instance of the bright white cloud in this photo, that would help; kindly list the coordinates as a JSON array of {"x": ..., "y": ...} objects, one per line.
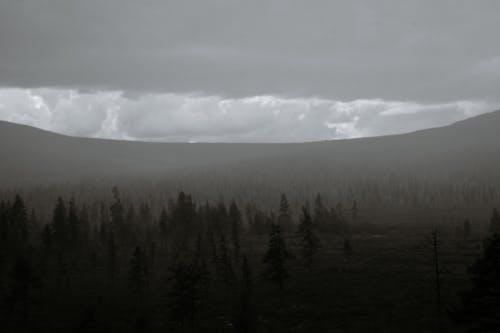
[{"x": 184, "y": 117}]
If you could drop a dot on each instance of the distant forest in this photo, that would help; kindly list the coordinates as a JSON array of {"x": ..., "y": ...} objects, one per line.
[{"x": 139, "y": 261}]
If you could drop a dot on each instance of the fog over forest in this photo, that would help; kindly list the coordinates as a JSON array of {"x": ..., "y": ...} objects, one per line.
[{"x": 265, "y": 166}]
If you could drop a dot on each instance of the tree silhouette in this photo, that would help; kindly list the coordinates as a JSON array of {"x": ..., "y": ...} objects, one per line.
[
  {"x": 310, "y": 243},
  {"x": 184, "y": 296},
  {"x": 275, "y": 259},
  {"x": 111, "y": 258},
  {"x": 163, "y": 222},
  {"x": 18, "y": 223},
  {"x": 60, "y": 226},
  {"x": 74, "y": 227},
  {"x": 321, "y": 216},
  {"x": 236, "y": 224},
  {"x": 467, "y": 228},
  {"x": 354, "y": 210},
  {"x": 138, "y": 272},
  {"x": 244, "y": 316},
  {"x": 224, "y": 264},
  {"x": 480, "y": 307},
  {"x": 19, "y": 297},
  {"x": 284, "y": 215},
  {"x": 117, "y": 215},
  {"x": 495, "y": 221}
]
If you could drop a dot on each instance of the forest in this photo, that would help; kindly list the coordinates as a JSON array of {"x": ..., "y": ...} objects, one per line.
[{"x": 132, "y": 261}]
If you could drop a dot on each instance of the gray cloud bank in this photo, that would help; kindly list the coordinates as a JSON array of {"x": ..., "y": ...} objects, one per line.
[
  {"x": 184, "y": 118},
  {"x": 419, "y": 50}
]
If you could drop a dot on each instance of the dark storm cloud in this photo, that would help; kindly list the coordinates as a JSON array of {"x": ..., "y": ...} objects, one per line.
[{"x": 426, "y": 51}]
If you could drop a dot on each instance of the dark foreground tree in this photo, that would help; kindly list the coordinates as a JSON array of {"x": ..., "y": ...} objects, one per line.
[
  {"x": 480, "y": 307},
  {"x": 275, "y": 259},
  {"x": 138, "y": 272},
  {"x": 244, "y": 316},
  {"x": 185, "y": 296},
  {"x": 495, "y": 221},
  {"x": 18, "y": 301}
]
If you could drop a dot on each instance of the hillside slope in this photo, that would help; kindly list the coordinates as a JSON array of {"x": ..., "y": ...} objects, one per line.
[{"x": 470, "y": 147}]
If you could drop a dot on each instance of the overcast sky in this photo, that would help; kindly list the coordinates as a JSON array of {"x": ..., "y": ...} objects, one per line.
[{"x": 220, "y": 70}]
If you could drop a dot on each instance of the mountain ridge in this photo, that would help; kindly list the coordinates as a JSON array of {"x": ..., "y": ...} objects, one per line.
[
  {"x": 495, "y": 115},
  {"x": 39, "y": 155}
]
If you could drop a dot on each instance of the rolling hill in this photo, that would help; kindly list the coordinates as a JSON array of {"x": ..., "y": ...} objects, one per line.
[{"x": 469, "y": 148}]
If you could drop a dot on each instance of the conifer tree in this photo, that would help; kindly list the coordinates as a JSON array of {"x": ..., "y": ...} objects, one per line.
[
  {"x": 354, "y": 210},
  {"x": 73, "y": 224},
  {"x": 495, "y": 221},
  {"x": 244, "y": 316},
  {"x": 275, "y": 259},
  {"x": 236, "y": 223},
  {"x": 111, "y": 257},
  {"x": 47, "y": 238},
  {"x": 467, "y": 228},
  {"x": 309, "y": 241},
  {"x": 339, "y": 208},
  {"x": 347, "y": 246},
  {"x": 138, "y": 272},
  {"x": 19, "y": 296},
  {"x": 184, "y": 295},
  {"x": 201, "y": 265},
  {"x": 18, "y": 223},
  {"x": 60, "y": 226},
  {"x": 117, "y": 215},
  {"x": 321, "y": 214},
  {"x": 480, "y": 306},
  {"x": 163, "y": 223},
  {"x": 103, "y": 224},
  {"x": 284, "y": 215},
  {"x": 84, "y": 226},
  {"x": 224, "y": 265}
]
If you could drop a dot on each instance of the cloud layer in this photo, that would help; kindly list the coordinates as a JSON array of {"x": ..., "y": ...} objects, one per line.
[
  {"x": 418, "y": 50},
  {"x": 188, "y": 118}
]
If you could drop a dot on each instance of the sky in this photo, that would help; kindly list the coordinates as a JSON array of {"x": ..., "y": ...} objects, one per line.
[{"x": 247, "y": 71}]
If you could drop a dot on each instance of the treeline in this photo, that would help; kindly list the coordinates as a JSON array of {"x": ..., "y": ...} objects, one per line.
[
  {"x": 378, "y": 195},
  {"x": 186, "y": 265}
]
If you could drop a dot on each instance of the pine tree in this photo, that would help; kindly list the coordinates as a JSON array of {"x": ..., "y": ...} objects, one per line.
[
  {"x": 47, "y": 239},
  {"x": 73, "y": 225},
  {"x": 275, "y": 259},
  {"x": 117, "y": 215},
  {"x": 224, "y": 264},
  {"x": 347, "y": 246},
  {"x": 284, "y": 215},
  {"x": 19, "y": 296},
  {"x": 354, "y": 210},
  {"x": 103, "y": 224},
  {"x": 111, "y": 258},
  {"x": 309, "y": 241},
  {"x": 480, "y": 306},
  {"x": 18, "y": 223},
  {"x": 321, "y": 216},
  {"x": 163, "y": 223},
  {"x": 184, "y": 295},
  {"x": 467, "y": 228},
  {"x": 244, "y": 316},
  {"x": 60, "y": 226},
  {"x": 339, "y": 208},
  {"x": 84, "y": 226},
  {"x": 138, "y": 272},
  {"x": 201, "y": 265},
  {"x": 236, "y": 223},
  {"x": 495, "y": 221}
]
